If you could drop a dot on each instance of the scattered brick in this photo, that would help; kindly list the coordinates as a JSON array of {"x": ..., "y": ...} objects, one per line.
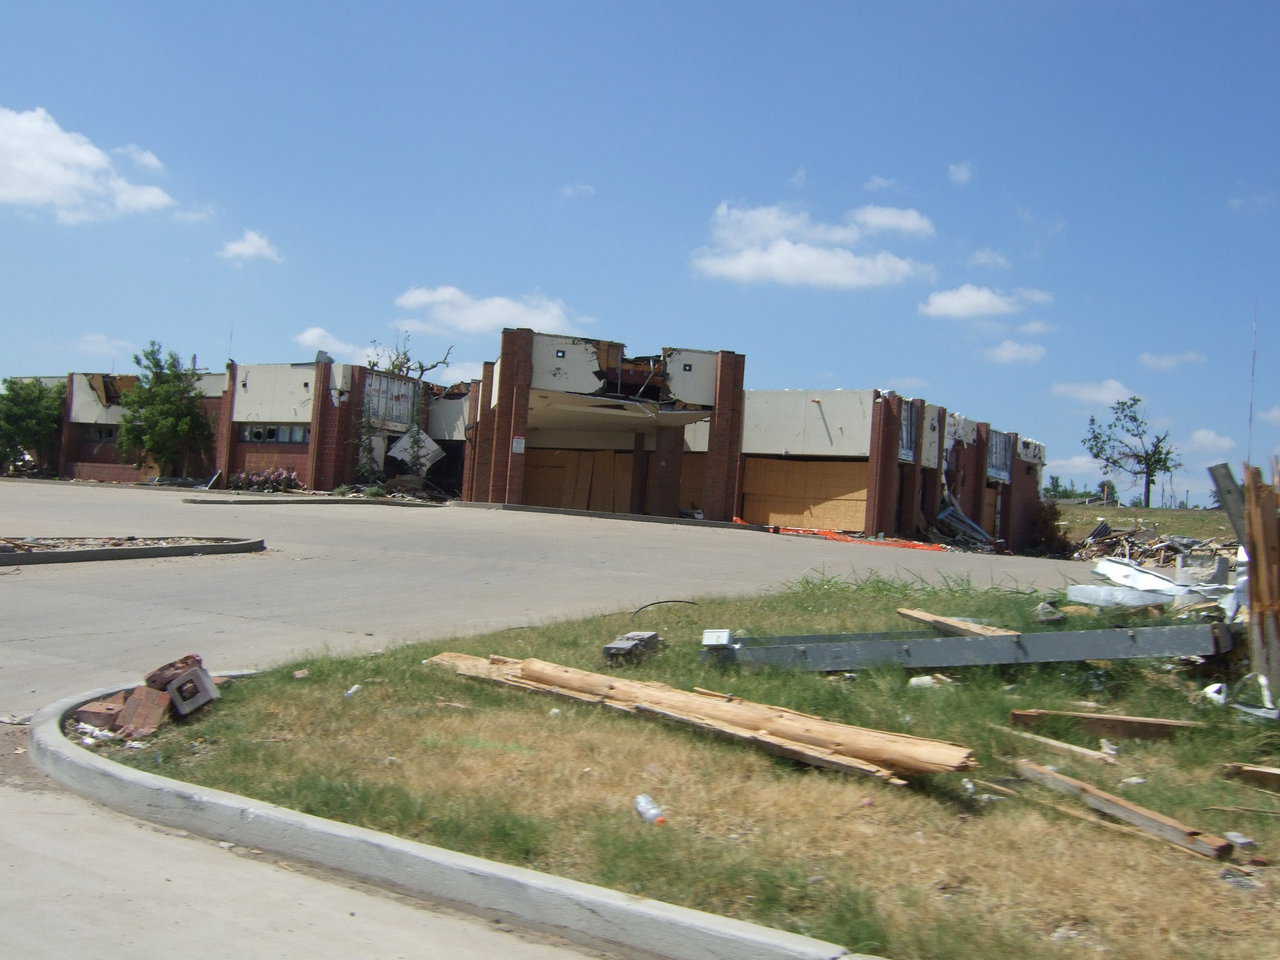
[
  {"x": 161, "y": 677},
  {"x": 100, "y": 713},
  {"x": 143, "y": 713}
]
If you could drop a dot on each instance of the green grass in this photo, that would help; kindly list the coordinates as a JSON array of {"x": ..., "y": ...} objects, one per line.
[
  {"x": 1201, "y": 524},
  {"x": 501, "y": 777}
]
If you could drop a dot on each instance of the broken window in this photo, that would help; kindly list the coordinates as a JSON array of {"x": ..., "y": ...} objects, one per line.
[{"x": 274, "y": 433}]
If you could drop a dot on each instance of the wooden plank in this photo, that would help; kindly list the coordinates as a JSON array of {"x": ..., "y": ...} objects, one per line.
[
  {"x": 602, "y": 481},
  {"x": 1267, "y": 777},
  {"x": 582, "y": 481},
  {"x": 813, "y": 740},
  {"x": 1110, "y": 725},
  {"x": 1263, "y": 546},
  {"x": 622, "y": 482},
  {"x": 1231, "y": 497},
  {"x": 955, "y": 628},
  {"x": 1157, "y": 824},
  {"x": 1058, "y": 746}
]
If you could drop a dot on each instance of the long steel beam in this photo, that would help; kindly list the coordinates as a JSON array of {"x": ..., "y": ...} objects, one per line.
[{"x": 835, "y": 652}]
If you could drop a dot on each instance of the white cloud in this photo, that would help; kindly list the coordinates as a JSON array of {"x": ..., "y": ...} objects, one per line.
[
  {"x": 1252, "y": 201},
  {"x": 960, "y": 173},
  {"x": 574, "y": 191},
  {"x": 42, "y": 165},
  {"x": 448, "y": 309},
  {"x": 877, "y": 183},
  {"x": 883, "y": 219},
  {"x": 771, "y": 244},
  {"x": 194, "y": 214},
  {"x": 1272, "y": 415},
  {"x": 804, "y": 265},
  {"x": 143, "y": 158},
  {"x": 1075, "y": 466},
  {"x": 974, "y": 301},
  {"x": 908, "y": 383},
  {"x": 104, "y": 346},
  {"x": 799, "y": 178},
  {"x": 457, "y": 372},
  {"x": 1210, "y": 441},
  {"x": 318, "y": 338},
  {"x": 986, "y": 257},
  {"x": 1170, "y": 361},
  {"x": 1100, "y": 393},
  {"x": 251, "y": 246},
  {"x": 1035, "y": 327},
  {"x": 1010, "y": 351}
]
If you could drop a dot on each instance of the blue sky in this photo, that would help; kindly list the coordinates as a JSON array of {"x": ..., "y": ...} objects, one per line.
[{"x": 1021, "y": 211}]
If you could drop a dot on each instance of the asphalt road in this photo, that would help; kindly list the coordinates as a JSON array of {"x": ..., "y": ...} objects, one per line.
[{"x": 83, "y": 880}]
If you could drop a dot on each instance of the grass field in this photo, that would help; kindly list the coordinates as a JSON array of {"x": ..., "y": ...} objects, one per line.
[
  {"x": 924, "y": 871},
  {"x": 1201, "y": 524}
]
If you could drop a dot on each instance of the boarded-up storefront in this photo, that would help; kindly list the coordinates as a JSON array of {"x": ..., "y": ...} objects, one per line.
[{"x": 818, "y": 494}]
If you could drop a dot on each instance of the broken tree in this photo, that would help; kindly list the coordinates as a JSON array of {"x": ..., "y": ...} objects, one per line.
[{"x": 798, "y": 736}]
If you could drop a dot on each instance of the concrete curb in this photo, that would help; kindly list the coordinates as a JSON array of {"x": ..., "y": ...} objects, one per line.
[
  {"x": 577, "y": 910},
  {"x": 603, "y": 515},
  {"x": 313, "y": 501},
  {"x": 219, "y": 545}
]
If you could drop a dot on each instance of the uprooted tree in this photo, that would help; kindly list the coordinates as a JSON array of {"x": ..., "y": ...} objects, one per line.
[
  {"x": 30, "y": 415},
  {"x": 1126, "y": 445},
  {"x": 163, "y": 420}
]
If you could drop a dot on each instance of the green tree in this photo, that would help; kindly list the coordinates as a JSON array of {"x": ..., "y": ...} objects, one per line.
[
  {"x": 30, "y": 415},
  {"x": 163, "y": 419},
  {"x": 1126, "y": 445}
]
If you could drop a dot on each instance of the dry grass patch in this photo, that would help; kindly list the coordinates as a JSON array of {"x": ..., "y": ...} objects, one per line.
[{"x": 918, "y": 872}]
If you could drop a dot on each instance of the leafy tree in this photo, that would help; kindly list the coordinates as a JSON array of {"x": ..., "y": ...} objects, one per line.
[
  {"x": 1107, "y": 491},
  {"x": 1125, "y": 445},
  {"x": 163, "y": 419},
  {"x": 30, "y": 414}
]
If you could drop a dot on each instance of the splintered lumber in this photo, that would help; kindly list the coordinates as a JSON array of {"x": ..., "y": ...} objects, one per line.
[
  {"x": 954, "y": 627},
  {"x": 1057, "y": 746},
  {"x": 777, "y": 730},
  {"x": 1156, "y": 824},
  {"x": 1110, "y": 725},
  {"x": 1266, "y": 777},
  {"x": 1263, "y": 546}
]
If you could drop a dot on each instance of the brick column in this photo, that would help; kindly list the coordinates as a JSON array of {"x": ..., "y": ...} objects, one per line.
[
  {"x": 513, "y": 392},
  {"x": 912, "y": 515},
  {"x": 663, "y": 499},
  {"x": 226, "y": 430},
  {"x": 724, "y": 439},
  {"x": 882, "y": 491},
  {"x": 469, "y": 442},
  {"x": 68, "y": 433},
  {"x": 320, "y": 404},
  {"x": 523, "y": 377},
  {"x": 978, "y": 501},
  {"x": 482, "y": 483}
]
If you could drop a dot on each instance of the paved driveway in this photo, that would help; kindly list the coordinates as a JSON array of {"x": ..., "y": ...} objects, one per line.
[{"x": 83, "y": 880}]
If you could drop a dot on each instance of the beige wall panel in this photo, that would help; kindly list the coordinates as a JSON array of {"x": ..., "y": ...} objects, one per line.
[
  {"x": 791, "y": 423},
  {"x": 575, "y": 372},
  {"x": 698, "y": 383},
  {"x": 273, "y": 393}
]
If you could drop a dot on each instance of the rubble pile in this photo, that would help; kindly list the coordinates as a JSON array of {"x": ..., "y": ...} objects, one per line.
[
  {"x": 1152, "y": 548},
  {"x": 178, "y": 688}
]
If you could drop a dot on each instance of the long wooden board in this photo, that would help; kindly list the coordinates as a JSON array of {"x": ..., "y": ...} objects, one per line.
[
  {"x": 1268, "y": 777},
  {"x": 1057, "y": 746},
  {"x": 953, "y": 627},
  {"x": 1110, "y": 725},
  {"x": 824, "y": 743},
  {"x": 1144, "y": 819}
]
